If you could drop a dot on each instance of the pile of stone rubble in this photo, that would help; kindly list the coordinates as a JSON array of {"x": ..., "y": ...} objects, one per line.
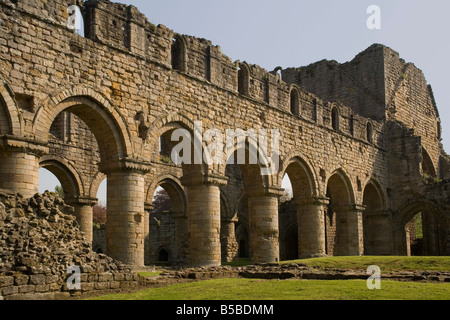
[{"x": 40, "y": 236}]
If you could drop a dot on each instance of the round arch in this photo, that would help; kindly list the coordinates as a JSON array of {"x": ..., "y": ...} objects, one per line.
[
  {"x": 71, "y": 182},
  {"x": 11, "y": 121},
  {"x": 106, "y": 123},
  {"x": 173, "y": 187},
  {"x": 434, "y": 224},
  {"x": 427, "y": 166},
  {"x": 376, "y": 221},
  {"x": 340, "y": 188}
]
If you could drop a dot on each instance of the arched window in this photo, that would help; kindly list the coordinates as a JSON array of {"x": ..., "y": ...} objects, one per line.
[
  {"x": 335, "y": 118},
  {"x": 178, "y": 54},
  {"x": 369, "y": 132},
  {"x": 295, "y": 102},
  {"x": 76, "y": 20},
  {"x": 243, "y": 80}
]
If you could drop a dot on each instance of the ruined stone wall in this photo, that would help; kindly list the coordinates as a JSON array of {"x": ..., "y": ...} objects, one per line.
[{"x": 120, "y": 82}]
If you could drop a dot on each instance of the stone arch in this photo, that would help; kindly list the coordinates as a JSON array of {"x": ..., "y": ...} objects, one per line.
[
  {"x": 70, "y": 180},
  {"x": 376, "y": 223},
  {"x": 344, "y": 237},
  {"x": 173, "y": 187},
  {"x": 106, "y": 123},
  {"x": 340, "y": 185},
  {"x": 167, "y": 123},
  {"x": 335, "y": 118},
  {"x": 179, "y": 53},
  {"x": 163, "y": 254},
  {"x": 11, "y": 120},
  {"x": 294, "y": 101},
  {"x": 427, "y": 166},
  {"x": 243, "y": 79},
  {"x": 95, "y": 184},
  {"x": 301, "y": 166},
  {"x": 435, "y": 224},
  {"x": 369, "y": 132}
]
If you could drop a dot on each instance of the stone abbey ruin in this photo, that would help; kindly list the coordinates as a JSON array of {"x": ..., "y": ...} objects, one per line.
[{"x": 360, "y": 142}]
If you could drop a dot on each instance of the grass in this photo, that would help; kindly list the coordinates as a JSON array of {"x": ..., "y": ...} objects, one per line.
[
  {"x": 149, "y": 274},
  {"x": 386, "y": 263},
  {"x": 251, "y": 289},
  {"x": 254, "y": 289}
]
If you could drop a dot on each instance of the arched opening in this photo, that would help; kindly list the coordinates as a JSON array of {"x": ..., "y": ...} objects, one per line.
[
  {"x": 291, "y": 244},
  {"x": 369, "y": 132},
  {"x": 423, "y": 231},
  {"x": 100, "y": 214},
  {"x": 101, "y": 144},
  {"x": 295, "y": 102},
  {"x": 178, "y": 52},
  {"x": 163, "y": 255},
  {"x": 303, "y": 212},
  {"x": 167, "y": 228},
  {"x": 243, "y": 79},
  {"x": 344, "y": 224},
  {"x": 377, "y": 230},
  {"x": 76, "y": 20},
  {"x": 335, "y": 118},
  {"x": 256, "y": 211},
  {"x": 48, "y": 181},
  {"x": 428, "y": 169}
]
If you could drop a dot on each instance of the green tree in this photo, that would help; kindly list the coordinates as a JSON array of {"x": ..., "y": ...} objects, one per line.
[{"x": 60, "y": 191}]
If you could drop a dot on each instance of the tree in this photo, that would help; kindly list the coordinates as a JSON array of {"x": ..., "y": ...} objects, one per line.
[
  {"x": 161, "y": 201},
  {"x": 99, "y": 212},
  {"x": 60, "y": 191}
]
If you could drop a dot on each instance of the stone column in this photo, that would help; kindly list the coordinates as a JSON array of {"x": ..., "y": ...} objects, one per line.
[
  {"x": 230, "y": 247},
  {"x": 263, "y": 225},
  {"x": 148, "y": 208},
  {"x": 85, "y": 215},
  {"x": 203, "y": 211},
  {"x": 349, "y": 233},
  {"x": 126, "y": 198},
  {"x": 19, "y": 166},
  {"x": 311, "y": 226}
]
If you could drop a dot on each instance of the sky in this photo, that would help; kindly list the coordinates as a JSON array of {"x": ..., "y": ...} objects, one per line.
[{"x": 295, "y": 33}]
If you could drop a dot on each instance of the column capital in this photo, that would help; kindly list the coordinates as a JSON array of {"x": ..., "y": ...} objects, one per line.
[
  {"x": 349, "y": 207},
  {"x": 266, "y": 191},
  {"x": 21, "y": 144},
  {"x": 204, "y": 179},
  {"x": 84, "y": 201},
  {"x": 124, "y": 165},
  {"x": 312, "y": 200},
  {"x": 149, "y": 207}
]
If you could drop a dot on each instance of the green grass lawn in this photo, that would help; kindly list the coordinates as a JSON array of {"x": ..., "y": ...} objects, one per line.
[
  {"x": 251, "y": 289},
  {"x": 254, "y": 289},
  {"x": 386, "y": 263}
]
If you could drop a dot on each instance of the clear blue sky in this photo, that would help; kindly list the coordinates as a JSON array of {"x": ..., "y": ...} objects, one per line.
[{"x": 294, "y": 33}]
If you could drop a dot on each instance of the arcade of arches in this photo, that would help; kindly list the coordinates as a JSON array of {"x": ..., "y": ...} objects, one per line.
[{"x": 368, "y": 171}]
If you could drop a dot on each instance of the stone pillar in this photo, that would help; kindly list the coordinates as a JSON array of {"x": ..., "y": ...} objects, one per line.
[
  {"x": 349, "y": 233},
  {"x": 230, "y": 247},
  {"x": 263, "y": 225},
  {"x": 19, "y": 166},
  {"x": 203, "y": 211},
  {"x": 126, "y": 198},
  {"x": 85, "y": 215},
  {"x": 148, "y": 208},
  {"x": 311, "y": 226}
]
